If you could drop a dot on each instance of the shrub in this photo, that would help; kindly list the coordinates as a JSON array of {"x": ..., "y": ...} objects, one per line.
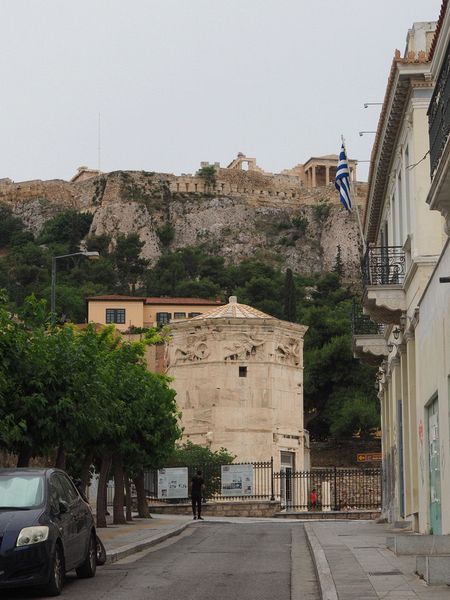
[
  {"x": 166, "y": 234},
  {"x": 321, "y": 211}
]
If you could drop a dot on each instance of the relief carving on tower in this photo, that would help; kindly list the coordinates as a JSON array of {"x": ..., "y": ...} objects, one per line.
[
  {"x": 196, "y": 349},
  {"x": 243, "y": 348},
  {"x": 288, "y": 351}
]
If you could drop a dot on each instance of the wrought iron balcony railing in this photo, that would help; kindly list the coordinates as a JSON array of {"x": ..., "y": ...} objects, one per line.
[
  {"x": 384, "y": 265},
  {"x": 362, "y": 324},
  {"x": 439, "y": 115}
]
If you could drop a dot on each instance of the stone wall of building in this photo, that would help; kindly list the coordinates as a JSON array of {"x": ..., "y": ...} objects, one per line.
[{"x": 239, "y": 384}]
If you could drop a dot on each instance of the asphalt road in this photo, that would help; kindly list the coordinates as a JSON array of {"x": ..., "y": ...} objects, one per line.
[{"x": 210, "y": 561}]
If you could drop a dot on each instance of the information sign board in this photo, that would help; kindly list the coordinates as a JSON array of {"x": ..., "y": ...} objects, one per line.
[
  {"x": 237, "y": 480},
  {"x": 173, "y": 483},
  {"x": 369, "y": 457}
]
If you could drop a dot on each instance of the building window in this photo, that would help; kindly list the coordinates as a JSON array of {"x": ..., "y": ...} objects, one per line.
[
  {"x": 242, "y": 371},
  {"x": 190, "y": 315},
  {"x": 179, "y": 315},
  {"x": 162, "y": 318},
  {"x": 115, "y": 315}
]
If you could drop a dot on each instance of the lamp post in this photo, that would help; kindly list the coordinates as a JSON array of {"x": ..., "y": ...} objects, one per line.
[{"x": 86, "y": 253}]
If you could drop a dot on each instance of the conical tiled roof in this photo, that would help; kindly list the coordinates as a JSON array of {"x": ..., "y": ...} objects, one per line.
[{"x": 233, "y": 310}]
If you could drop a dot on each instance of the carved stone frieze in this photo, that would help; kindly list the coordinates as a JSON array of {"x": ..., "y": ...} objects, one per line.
[
  {"x": 243, "y": 348},
  {"x": 288, "y": 350},
  {"x": 196, "y": 349}
]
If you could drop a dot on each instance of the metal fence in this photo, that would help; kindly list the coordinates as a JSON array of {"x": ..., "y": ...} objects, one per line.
[
  {"x": 321, "y": 489},
  {"x": 362, "y": 324},
  {"x": 384, "y": 265},
  {"x": 263, "y": 481},
  {"x": 439, "y": 114},
  {"x": 327, "y": 489}
]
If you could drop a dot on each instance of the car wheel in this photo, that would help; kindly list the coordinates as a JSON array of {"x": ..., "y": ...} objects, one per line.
[
  {"x": 89, "y": 566},
  {"x": 57, "y": 573},
  {"x": 101, "y": 552}
]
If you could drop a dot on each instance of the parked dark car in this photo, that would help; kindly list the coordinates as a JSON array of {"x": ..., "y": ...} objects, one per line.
[{"x": 46, "y": 529}]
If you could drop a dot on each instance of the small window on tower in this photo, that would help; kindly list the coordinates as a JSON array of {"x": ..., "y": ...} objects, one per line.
[{"x": 242, "y": 371}]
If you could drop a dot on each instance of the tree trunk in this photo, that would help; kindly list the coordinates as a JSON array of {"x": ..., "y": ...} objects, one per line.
[
  {"x": 119, "y": 496},
  {"x": 129, "y": 516},
  {"x": 61, "y": 458},
  {"x": 142, "y": 506},
  {"x": 24, "y": 457},
  {"x": 85, "y": 473},
  {"x": 101, "y": 492}
]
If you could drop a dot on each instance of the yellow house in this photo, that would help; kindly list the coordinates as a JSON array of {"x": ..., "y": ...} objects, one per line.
[{"x": 126, "y": 312}]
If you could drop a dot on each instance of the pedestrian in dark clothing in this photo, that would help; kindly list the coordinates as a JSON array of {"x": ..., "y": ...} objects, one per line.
[{"x": 197, "y": 487}]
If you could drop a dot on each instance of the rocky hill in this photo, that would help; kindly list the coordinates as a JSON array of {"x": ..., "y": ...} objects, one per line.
[{"x": 242, "y": 214}]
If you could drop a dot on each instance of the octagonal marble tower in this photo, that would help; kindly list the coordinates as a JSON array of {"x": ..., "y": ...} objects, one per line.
[{"x": 238, "y": 374}]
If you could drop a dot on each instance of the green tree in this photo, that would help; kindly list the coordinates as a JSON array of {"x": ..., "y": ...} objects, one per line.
[
  {"x": 193, "y": 455},
  {"x": 290, "y": 302},
  {"x": 208, "y": 174},
  {"x": 10, "y": 226},
  {"x": 338, "y": 264},
  {"x": 166, "y": 234},
  {"x": 68, "y": 228},
  {"x": 128, "y": 262}
]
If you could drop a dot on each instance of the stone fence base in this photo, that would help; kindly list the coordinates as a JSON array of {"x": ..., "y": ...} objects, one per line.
[
  {"x": 253, "y": 508},
  {"x": 258, "y": 508},
  {"x": 341, "y": 515}
]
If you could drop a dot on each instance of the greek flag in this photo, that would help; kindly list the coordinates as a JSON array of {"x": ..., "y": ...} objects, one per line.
[{"x": 342, "y": 181}]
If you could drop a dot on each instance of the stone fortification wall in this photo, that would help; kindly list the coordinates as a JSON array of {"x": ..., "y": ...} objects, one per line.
[
  {"x": 246, "y": 214},
  {"x": 231, "y": 182}
]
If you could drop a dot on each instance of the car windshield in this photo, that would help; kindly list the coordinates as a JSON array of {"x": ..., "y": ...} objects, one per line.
[{"x": 21, "y": 491}]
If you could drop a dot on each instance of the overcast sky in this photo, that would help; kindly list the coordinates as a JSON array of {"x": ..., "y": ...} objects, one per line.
[{"x": 181, "y": 81}]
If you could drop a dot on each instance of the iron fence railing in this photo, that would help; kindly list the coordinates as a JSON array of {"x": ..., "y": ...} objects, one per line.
[
  {"x": 330, "y": 489},
  {"x": 439, "y": 115},
  {"x": 321, "y": 489},
  {"x": 212, "y": 474},
  {"x": 384, "y": 265},
  {"x": 362, "y": 324}
]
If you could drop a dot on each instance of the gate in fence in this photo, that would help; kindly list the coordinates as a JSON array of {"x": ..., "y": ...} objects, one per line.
[{"x": 319, "y": 489}]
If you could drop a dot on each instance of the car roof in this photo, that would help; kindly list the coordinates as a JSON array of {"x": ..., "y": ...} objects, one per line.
[{"x": 28, "y": 470}]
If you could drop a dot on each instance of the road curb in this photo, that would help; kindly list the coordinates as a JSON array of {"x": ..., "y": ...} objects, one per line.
[
  {"x": 124, "y": 551},
  {"x": 326, "y": 581}
]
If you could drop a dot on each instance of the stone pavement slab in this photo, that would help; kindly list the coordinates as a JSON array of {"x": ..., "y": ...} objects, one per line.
[{"x": 362, "y": 567}]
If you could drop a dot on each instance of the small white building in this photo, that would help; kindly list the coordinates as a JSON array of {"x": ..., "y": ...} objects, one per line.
[{"x": 238, "y": 374}]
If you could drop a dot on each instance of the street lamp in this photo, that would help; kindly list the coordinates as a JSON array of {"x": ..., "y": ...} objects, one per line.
[
  {"x": 89, "y": 255},
  {"x": 361, "y": 133}
]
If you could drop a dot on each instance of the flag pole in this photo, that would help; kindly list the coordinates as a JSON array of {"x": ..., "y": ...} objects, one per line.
[{"x": 353, "y": 192}]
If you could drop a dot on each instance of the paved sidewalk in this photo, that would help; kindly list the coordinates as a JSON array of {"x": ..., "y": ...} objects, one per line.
[
  {"x": 353, "y": 563},
  {"x": 122, "y": 540}
]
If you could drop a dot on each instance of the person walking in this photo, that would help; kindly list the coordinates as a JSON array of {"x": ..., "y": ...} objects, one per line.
[{"x": 197, "y": 489}]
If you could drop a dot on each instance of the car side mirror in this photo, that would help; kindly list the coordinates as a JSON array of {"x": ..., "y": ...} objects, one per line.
[{"x": 63, "y": 507}]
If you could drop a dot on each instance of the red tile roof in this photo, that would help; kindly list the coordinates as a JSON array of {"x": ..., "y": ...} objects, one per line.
[
  {"x": 117, "y": 297},
  {"x": 438, "y": 28},
  {"x": 182, "y": 301},
  {"x": 154, "y": 300}
]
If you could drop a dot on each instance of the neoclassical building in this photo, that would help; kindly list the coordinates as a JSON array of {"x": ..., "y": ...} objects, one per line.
[
  {"x": 404, "y": 298},
  {"x": 238, "y": 374}
]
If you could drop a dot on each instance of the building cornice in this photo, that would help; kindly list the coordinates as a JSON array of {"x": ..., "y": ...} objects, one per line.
[{"x": 405, "y": 75}]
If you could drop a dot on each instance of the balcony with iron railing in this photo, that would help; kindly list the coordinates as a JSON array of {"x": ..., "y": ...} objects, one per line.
[
  {"x": 369, "y": 344},
  {"x": 439, "y": 115},
  {"x": 439, "y": 130},
  {"x": 384, "y": 271}
]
